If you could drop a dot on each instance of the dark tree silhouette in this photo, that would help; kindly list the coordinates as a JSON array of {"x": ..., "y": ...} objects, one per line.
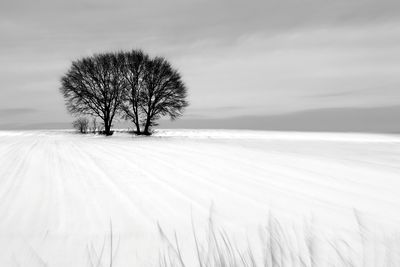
[
  {"x": 141, "y": 88},
  {"x": 133, "y": 72},
  {"x": 94, "y": 125},
  {"x": 94, "y": 86},
  {"x": 81, "y": 124},
  {"x": 163, "y": 92}
]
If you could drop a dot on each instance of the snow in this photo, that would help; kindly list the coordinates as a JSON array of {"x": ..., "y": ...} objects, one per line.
[{"x": 61, "y": 191}]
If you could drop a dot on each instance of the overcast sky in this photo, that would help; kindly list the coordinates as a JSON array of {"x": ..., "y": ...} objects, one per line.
[{"x": 239, "y": 58}]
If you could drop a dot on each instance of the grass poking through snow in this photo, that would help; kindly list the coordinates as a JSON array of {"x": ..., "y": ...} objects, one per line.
[{"x": 279, "y": 245}]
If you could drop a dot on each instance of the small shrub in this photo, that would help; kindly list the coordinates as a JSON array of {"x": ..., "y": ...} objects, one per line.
[{"x": 81, "y": 125}]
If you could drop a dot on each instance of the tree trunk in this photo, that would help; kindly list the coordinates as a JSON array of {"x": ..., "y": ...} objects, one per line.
[
  {"x": 107, "y": 125},
  {"x": 147, "y": 126},
  {"x": 107, "y": 128},
  {"x": 138, "y": 128},
  {"x": 137, "y": 123}
]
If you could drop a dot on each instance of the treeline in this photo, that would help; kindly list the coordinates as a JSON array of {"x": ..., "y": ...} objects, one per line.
[{"x": 130, "y": 85}]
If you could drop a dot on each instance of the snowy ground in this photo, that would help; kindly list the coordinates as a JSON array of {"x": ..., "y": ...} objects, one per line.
[{"x": 59, "y": 192}]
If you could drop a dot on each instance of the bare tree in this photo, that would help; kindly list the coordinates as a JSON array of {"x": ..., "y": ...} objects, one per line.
[
  {"x": 143, "y": 89},
  {"x": 164, "y": 93},
  {"x": 133, "y": 72},
  {"x": 94, "y": 125},
  {"x": 93, "y": 86},
  {"x": 81, "y": 124}
]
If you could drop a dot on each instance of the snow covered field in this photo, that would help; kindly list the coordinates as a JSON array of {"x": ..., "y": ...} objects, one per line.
[{"x": 60, "y": 191}]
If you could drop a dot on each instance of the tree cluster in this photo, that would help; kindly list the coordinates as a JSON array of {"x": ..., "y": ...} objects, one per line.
[
  {"x": 81, "y": 125},
  {"x": 131, "y": 85}
]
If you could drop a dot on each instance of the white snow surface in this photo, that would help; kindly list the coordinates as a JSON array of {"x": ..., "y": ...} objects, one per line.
[{"x": 61, "y": 192}]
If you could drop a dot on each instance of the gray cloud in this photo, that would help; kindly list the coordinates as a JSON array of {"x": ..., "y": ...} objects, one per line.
[
  {"x": 374, "y": 120},
  {"x": 124, "y": 22},
  {"x": 35, "y": 126},
  {"x": 11, "y": 112},
  {"x": 246, "y": 57},
  {"x": 338, "y": 93}
]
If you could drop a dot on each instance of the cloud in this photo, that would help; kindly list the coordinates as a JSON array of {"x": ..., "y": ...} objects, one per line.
[
  {"x": 238, "y": 58},
  {"x": 12, "y": 112},
  {"x": 177, "y": 21},
  {"x": 373, "y": 120}
]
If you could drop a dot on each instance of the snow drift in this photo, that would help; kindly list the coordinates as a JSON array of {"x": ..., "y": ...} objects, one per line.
[{"x": 60, "y": 191}]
